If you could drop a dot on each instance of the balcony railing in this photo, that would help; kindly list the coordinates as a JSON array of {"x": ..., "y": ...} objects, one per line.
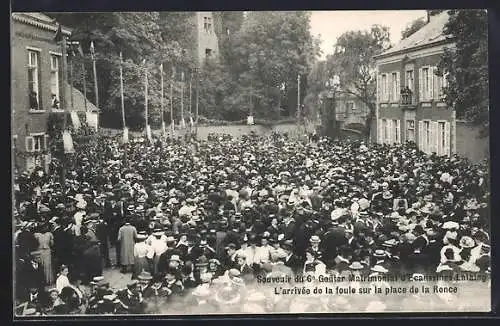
[{"x": 407, "y": 99}]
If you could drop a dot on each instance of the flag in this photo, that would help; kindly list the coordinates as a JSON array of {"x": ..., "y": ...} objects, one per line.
[
  {"x": 80, "y": 50},
  {"x": 161, "y": 68},
  {"x": 182, "y": 76},
  {"x": 75, "y": 120},
  {"x": 125, "y": 135},
  {"x": 68, "y": 142},
  {"x": 191, "y": 122},
  {"x": 59, "y": 35},
  {"x": 92, "y": 49}
]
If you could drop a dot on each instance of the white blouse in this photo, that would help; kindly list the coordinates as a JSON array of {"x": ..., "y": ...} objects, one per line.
[{"x": 62, "y": 282}]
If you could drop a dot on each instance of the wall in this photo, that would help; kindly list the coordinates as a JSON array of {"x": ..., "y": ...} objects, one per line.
[
  {"x": 206, "y": 40},
  {"x": 469, "y": 144},
  {"x": 41, "y": 39},
  {"x": 432, "y": 110},
  {"x": 234, "y": 130}
]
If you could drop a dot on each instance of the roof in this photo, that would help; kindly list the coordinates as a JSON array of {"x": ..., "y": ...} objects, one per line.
[
  {"x": 430, "y": 33},
  {"x": 78, "y": 100},
  {"x": 39, "y": 20}
]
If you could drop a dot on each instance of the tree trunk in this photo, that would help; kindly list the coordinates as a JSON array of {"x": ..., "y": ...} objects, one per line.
[{"x": 369, "y": 120}]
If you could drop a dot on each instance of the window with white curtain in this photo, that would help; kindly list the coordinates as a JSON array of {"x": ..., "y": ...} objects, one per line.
[{"x": 33, "y": 80}]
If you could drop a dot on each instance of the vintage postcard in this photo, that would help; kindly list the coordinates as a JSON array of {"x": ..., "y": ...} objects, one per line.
[{"x": 259, "y": 162}]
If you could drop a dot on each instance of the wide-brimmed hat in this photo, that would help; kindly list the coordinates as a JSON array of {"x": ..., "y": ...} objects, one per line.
[
  {"x": 315, "y": 239},
  {"x": 387, "y": 195},
  {"x": 145, "y": 276},
  {"x": 379, "y": 253},
  {"x": 238, "y": 281},
  {"x": 467, "y": 242},
  {"x": 158, "y": 232},
  {"x": 450, "y": 225},
  {"x": 356, "y": 265},
  {"x": 379, "y": 269},
  {"x": 175, "y": 258}
]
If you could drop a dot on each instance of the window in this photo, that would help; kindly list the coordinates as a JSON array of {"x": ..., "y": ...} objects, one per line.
[
  {"x": 424, "y": 136},
  {"x": 410, "y": 130},
  {"x": 394, "y": 87},
  {"x": 54, "y": 81},
  {"x": 208, "y": 53},
  {"x": 350, "y": 106},
  {"x": 207, "y": 24},
  {"x": 443, "y": 138},
  {"x": 385, "y": 129},
  {"x": 426, "y": 79},
  {"x": 396, "y": 128},
  {"x": 385, "y": 91},
  {"x": 426, "y": 83},
  {"x": 36, "y": 142},
  {"x": 409, "y": 80},
  {"x": 33, "y": 80},
  {"x": 441, "y": 84}
]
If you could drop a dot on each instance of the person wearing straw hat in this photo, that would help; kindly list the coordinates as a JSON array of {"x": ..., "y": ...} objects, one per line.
[
  {"x": 158, "y": 243},
  {"x": 143, "y": 253},
  {"x": 171, "y": 285}
]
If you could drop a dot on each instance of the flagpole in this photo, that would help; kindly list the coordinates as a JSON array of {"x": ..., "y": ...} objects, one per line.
[
  {"x": 71, "y": 83},
  {"x": 162, "y": 105},
  {"x": 298, "y": 100},
  {"x": 182, "y": 99},
  {"x": 190, "y": 100},
  {"x": 63, "y": 104},
  {"x": 84, "y": 73},
  {"x": 96, "y": 91},
  {"x": 121, "y": 92},
  {"x": 172, "y": 124},
  {"x": 197, "y": 102},
  {"x": 146, "y": 94},
  {"x": 122, "y": 98}
]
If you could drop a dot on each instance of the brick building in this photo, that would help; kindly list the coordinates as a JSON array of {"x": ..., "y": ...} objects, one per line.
[
  {"x": 410, "y": 99},
  {"x": 36, "y": 82}
]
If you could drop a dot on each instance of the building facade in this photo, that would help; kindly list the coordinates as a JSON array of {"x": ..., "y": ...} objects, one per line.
[
  {"x": 351, "y": 113},
  {"x": 35, "y": 86},
  {"x": 207, "y": 43},
  {"x": 410, "y": 99}
]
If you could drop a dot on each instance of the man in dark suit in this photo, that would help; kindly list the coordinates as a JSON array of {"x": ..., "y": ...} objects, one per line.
[
  {"x": 292, "y": 260},
  {"x": 30, "y": 277},
  {"x": 131, "y": 299},
  {"x": 228, "y": 259},
  {"x": 333, "y": 238}
]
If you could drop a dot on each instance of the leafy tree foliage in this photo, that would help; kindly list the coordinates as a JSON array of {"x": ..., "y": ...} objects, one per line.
[
  {"x": 353, "y": 62},
  {"x": 466, "y": 65},
  {"x": 261, "y": 56}
]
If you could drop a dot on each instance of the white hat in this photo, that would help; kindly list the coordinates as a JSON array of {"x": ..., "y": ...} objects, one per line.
[{"x": 81, "y": 204}]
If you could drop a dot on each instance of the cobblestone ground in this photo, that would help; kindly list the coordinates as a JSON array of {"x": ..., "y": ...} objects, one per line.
[{"x": 113, "y": 275}]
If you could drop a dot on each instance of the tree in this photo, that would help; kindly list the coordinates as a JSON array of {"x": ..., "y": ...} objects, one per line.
[
  {"x": 271, "y": 49},
  {"x": 353, "y": 62},
  {"x": 413, "y": 27},
  {"x": 139, "y": 36},
  {"x": 466, "y": 65}
]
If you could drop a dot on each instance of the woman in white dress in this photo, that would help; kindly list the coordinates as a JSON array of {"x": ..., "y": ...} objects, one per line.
[{"x": 62, "y": 278}]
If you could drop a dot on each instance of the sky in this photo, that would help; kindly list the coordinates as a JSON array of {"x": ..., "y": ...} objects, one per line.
[{"x": 332, "y": 24}]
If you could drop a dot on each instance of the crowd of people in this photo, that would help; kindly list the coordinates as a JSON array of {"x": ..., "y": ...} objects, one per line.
[{"x": 200, "y": 220}]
